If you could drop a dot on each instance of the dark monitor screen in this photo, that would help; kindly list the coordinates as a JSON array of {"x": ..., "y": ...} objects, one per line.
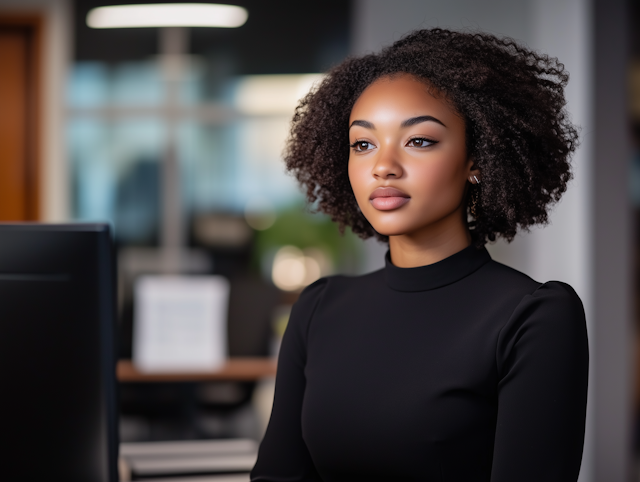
[{"x": 57, "y": 363}]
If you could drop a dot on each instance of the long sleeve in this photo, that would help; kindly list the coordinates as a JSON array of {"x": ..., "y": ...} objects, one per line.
[
  {"x": 542, "y": 358},
  {"x": 283, "y": 454}
]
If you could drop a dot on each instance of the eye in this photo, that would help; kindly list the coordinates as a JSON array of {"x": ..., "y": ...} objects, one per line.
[
  {"x": 362, "y": 146},
  {"x": 420, "y": 142}
]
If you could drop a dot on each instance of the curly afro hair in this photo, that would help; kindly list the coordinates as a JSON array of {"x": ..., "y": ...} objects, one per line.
[{"x": 517, "y": 129}]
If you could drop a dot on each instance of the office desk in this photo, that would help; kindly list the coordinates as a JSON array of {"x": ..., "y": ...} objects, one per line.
[{"x": 236, "y": 369}]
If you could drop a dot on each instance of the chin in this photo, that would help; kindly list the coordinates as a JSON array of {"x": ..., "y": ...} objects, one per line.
[{"x": 387, "y": 230}]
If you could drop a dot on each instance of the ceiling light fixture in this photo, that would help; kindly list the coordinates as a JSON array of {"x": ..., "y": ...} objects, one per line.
[{"x": 167, "y": 15}]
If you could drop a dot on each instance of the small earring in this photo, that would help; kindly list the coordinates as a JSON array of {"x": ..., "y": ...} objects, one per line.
[{"x": 471, "y": 178}]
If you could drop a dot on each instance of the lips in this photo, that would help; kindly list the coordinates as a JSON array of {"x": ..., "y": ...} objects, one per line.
[{"x": 388, "y": 198}]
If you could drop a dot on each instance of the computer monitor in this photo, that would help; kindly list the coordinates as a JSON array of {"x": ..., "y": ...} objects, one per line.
[{"x": 57, "y": 354}]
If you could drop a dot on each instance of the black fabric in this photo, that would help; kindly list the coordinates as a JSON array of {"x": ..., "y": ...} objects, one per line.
[{"x": 463, "y": 370}]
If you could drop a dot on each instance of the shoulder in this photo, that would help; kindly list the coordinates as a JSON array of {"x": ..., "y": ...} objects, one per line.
[
  {"x": 309, "y": 299},
  {"x": 552, "y": 296},
  {"x": 318, "y": 293},
  {"x": 507, "y": 279},
  {"x": 499, "y": 289},
  {"x": 304, "y": 307},
  {"x": 559, "y": 308},
  {"x": 558, "y": 295},
  {"x": 550, "y": 319},
  {"x": 312, "y": 293},
  {"x": 330, "y": 288},
  {"x": 552, "y": 302},
  {"x": 318, "y": 290}
]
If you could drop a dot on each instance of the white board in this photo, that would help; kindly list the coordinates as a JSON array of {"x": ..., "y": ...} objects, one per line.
[{"x": 180, "y": 323}]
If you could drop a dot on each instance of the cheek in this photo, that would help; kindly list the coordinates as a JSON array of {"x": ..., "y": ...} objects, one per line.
[
  {"x": 442, "y": 182},
  {"x": 357, "y": 178}
]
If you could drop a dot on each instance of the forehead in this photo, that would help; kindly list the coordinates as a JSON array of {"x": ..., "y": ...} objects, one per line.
[{"x": 401, "y": 95}]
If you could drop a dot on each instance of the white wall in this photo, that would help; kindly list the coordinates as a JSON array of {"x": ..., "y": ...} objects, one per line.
[
  {"x": 377, "y": 23},
  {"x": 565, "y": 249},
  {"x": 56, "y": 55}
]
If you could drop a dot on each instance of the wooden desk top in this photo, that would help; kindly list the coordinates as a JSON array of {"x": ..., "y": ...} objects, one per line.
[{"x": 236, "y": 369}]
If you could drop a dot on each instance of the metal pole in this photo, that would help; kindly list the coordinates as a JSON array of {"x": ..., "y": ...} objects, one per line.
[{"x": 173, "y": 49}]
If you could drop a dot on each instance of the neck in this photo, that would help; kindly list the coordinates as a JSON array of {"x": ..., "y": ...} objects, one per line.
[{"x": 429, "y": 245}]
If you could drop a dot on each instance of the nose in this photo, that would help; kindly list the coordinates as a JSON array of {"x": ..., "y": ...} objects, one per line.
[{"x": 387, "y": 165}]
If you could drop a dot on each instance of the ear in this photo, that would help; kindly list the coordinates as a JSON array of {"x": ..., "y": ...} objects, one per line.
[{"x": 474, "y": 175}]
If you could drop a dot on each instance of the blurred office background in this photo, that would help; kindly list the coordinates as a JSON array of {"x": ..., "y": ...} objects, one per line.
[{"x": 175, "y": 137}]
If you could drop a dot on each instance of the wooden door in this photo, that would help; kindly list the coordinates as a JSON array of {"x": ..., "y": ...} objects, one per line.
[{"x": 20, "y": 39}]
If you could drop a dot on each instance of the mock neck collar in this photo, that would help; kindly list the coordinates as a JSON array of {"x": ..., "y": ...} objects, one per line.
[{"x": 436, "y": 275}]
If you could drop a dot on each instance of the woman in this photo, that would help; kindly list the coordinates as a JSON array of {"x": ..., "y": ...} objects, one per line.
[{"x": 445, "y": 365}]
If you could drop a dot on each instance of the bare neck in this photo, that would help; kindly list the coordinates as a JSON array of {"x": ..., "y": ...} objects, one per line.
[{"x": 430, "y": 244}]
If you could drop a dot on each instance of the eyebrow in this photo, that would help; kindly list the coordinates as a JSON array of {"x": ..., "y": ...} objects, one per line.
[
  {"x": 407, "y": 123},
  {"x": 362, "y": 123},
  {"x": 421, "y": 118}
]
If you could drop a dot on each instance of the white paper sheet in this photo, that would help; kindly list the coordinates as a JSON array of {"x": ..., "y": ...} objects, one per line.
[{"x": 180, "y": 323}]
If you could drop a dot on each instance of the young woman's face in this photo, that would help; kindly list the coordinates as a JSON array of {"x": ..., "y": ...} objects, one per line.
[{"x": 408, "y": 164}]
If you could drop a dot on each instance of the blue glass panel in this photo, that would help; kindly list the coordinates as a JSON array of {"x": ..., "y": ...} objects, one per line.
[
  {"x": 116, "y": 172},
  {"x": 137, "y": 83},
  {"x": 230, "y": 159},
  {"x": 225, "y": 167},
  {"x": 95, "y": 84},
  {"x": 88, "y": 85}
]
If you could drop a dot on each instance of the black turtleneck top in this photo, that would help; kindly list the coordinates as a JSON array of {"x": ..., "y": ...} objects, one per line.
[{"x": 464, "y": 370}]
